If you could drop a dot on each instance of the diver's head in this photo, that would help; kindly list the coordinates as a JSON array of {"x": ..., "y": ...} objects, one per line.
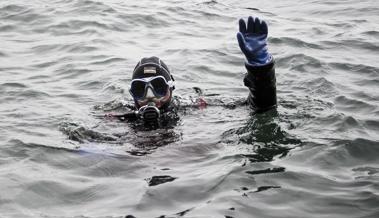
[{"x": 152, "y": 84}]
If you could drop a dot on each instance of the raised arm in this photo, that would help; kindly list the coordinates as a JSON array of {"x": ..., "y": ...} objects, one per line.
[{"x": 260, "y": 76}]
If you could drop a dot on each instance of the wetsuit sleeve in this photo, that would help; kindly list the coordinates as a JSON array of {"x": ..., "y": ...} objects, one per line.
[
  {"x": 261, "y": 81},
  {"x": 129, "y": 117}
]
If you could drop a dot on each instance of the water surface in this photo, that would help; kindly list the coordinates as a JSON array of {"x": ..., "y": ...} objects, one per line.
[{"x": 63, "y": 62}]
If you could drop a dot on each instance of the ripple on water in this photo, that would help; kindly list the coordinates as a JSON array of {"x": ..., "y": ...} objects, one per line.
[
  {"x": 108, "y": 60},
  {"x": 21, "y": 18},
  {"x": 373, "y": 33},
  {"x": 346, "y": 104},
  {"x": 75, "y": 26},
  {"x": 363, "y": 149},
  {"x": 361, "y": 69},
  {"x": 319, "y": 87},
  {"x": 301, "y": 63},
  {"x": 294, "y": 42},
  {"x": 46, "y": 191},
  {"x": 69, "y": 71},
  {"x": 12, "y": 85},
  {"x": 369, "y": 84},
  {"x": 46, "y": 48},
  {"x": 339, "y": 126},
  {"x": 23, "y": 93},
  {"x": 95, "y": 7}
]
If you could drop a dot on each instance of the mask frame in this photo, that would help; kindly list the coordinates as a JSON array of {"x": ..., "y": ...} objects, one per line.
[{"x": 147, "y": 81}]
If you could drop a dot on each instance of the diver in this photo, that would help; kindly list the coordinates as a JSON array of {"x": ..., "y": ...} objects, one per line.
[{"x": 152, "y": 84}]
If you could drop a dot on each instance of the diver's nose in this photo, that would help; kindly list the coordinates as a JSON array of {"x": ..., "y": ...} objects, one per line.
[{"x": 150, "y": 93}]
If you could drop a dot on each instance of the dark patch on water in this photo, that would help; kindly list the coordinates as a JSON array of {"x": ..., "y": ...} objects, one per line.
[
  {"x": 139, "y": 153},
  {"x": 266, "y": 171},
  {"x": 264, "y": 188},
  {"x": 211, "y": 2},
  {"x": 262, "y": 129},
  {"x": 184, "y": 212},
  {"x": 198, "y": 90},
  {"x": 363, "y": 149},
  {"x": 369, "y": 170},
  {"x": 267, "y": 154},
  {"x": 81, "y": 134},
  {"x": 157, "y": 180},
  {"x": 253, "y": 9},
  {"x": 13, "y": 85}
]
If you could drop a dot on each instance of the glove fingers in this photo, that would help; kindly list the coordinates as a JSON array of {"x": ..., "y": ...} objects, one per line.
[
  {"x": 264, "y": 28},
  {"x": 242, "y": 25},
  {"x": 257, "y": 24},
  {"x": 241, "y": 42},
  {"x": 250, "y": 25}
]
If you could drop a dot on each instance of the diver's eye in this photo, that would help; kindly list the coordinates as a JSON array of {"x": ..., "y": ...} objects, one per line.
[
  {"x": 138, "y": 89},
  {"x": 160, "y": 86}
]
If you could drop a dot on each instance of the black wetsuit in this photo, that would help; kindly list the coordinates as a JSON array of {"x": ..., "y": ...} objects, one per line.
[{"x": 260, "y": 80}]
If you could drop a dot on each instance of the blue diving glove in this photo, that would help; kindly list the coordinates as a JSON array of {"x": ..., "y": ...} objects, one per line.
[{"x": 252, "y": 40}]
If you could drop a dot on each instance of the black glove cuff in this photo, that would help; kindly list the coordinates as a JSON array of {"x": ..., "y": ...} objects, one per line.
[
  {"x": 261, "y": 68},
  {"x": 258, "y": 76}
]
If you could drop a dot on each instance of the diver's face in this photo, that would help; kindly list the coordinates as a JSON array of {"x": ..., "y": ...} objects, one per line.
[
  {"x": 149, "y": 90},
  {"x": 152, "y": 98}
]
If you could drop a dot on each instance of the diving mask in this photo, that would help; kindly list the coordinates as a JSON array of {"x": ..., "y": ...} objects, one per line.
[{"x": 157, "y": 84}]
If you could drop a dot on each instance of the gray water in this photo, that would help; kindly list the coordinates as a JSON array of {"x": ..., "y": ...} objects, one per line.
[{"x": 64, "y": 62}]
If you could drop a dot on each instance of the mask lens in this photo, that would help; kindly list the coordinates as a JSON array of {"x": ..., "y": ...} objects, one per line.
[
  {"x": 138, "y": 89},
  {"x": 160, "y": 86}
]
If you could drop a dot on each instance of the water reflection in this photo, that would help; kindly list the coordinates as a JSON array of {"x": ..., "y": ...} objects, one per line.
[
  {"x": 146, "y": 142},
  {"x": 263, "y": 137}
]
